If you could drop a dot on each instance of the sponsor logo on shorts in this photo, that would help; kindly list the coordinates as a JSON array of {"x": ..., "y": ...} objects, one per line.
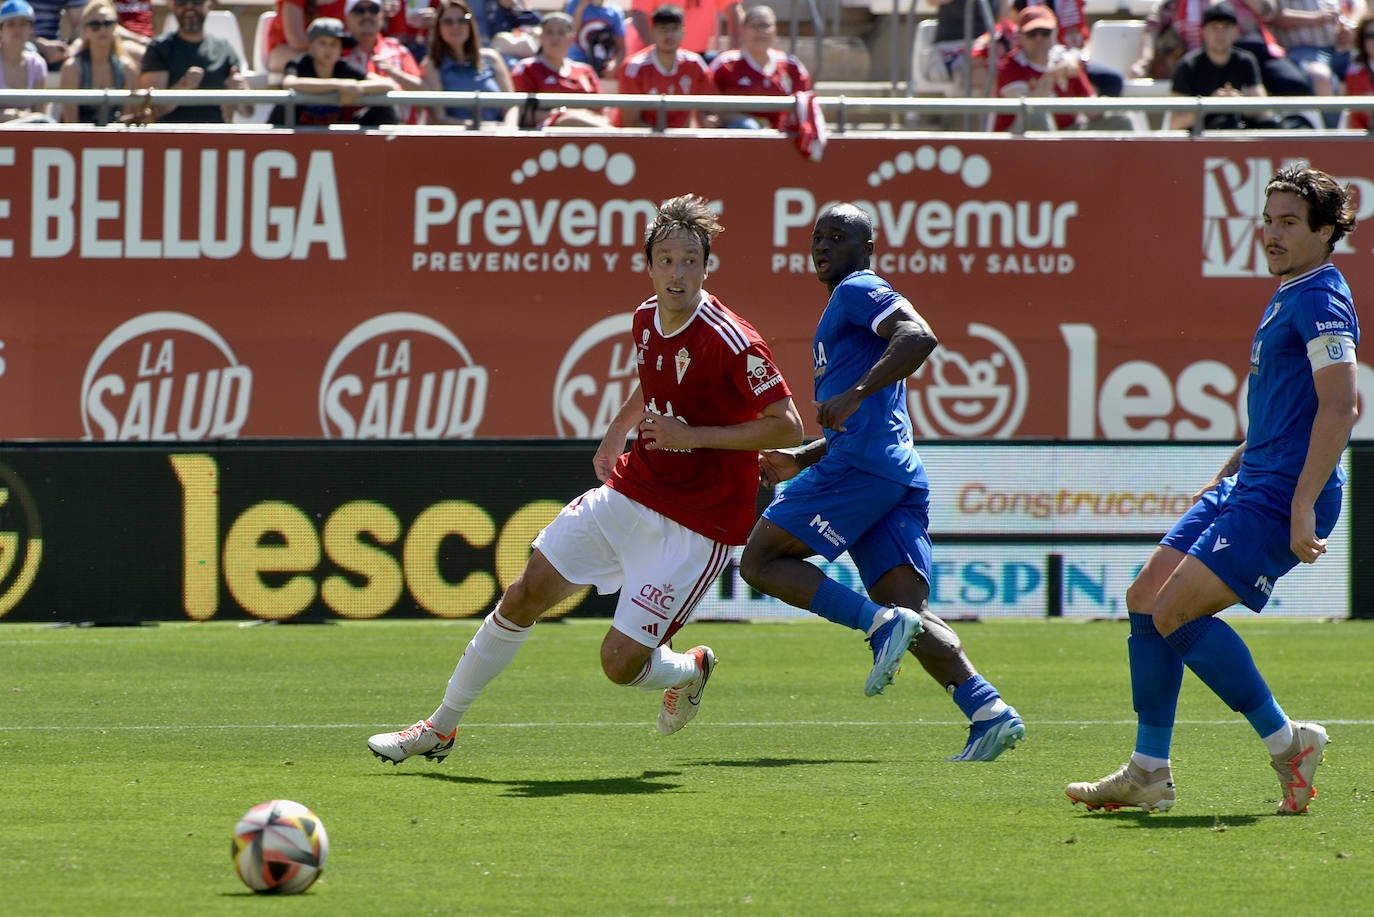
[
  {"x": 827, "y": 532},
  {"x": 657, "y": 601},
  {"x": 1265, "y": 584}
]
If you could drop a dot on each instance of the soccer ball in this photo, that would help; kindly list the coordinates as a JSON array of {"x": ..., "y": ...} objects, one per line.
[{"x": 279, "y": 847}]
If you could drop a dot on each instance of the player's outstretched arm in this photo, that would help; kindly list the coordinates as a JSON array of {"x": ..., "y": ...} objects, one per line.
[
  {"x": 613, "y": 443},
  {"x": 777, "y": 426}
]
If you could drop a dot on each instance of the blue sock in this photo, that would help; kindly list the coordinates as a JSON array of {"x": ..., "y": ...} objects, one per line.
[
  {"x": 1219, "y": 657},
  {"x": 844, "y": 606},
  {"x": 973, "y": 694},
  {"x": 1156, "y": 677}
]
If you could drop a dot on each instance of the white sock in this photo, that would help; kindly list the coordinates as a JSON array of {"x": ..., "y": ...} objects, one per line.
[
  {"x": 1148, "y": 762},
  {"x": 667, "y": 669},
  {"x": 1279, "y": 742},
  {"x": 486, "y": 656},
  {"x": 992, "y": 709}
]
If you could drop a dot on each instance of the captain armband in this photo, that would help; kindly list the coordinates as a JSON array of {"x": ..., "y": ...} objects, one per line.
[{"x": 1330, "y": 349}]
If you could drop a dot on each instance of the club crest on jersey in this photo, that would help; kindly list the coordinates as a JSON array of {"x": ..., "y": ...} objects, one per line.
[
  {"x": 682, "y": 359},
  {"x": 762, "y": 374}
]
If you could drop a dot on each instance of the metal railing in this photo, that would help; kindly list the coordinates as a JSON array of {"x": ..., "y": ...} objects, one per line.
[{"x": 841, "y": 112}]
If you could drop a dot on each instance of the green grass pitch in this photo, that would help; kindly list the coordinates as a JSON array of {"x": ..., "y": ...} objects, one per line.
[{"x": 127, "y": 755}]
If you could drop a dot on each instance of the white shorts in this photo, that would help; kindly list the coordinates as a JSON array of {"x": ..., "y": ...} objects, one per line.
[{"x": 662, "y": 569}]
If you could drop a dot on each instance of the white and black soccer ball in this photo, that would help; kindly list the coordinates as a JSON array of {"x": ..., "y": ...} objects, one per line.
[{"x": 279, "y": 847}]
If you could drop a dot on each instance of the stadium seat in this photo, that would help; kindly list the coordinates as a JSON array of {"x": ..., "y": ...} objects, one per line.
[
  {"x": 1116, "y": 43},
  {"x": 921, "y": 50}
]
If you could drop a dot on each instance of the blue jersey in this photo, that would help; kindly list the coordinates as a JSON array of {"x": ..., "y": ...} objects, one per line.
[
  {"x": 1310, "y": 314},
  {"x": 877, "y": 437}
]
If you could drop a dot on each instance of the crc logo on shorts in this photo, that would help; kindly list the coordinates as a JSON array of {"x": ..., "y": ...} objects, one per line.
[
  {"x": 21, "y": 540},
  {"x": 978, "y": 390},
  {"x": 594, "y": 378},
  {"x": 164, "y": 376},
  {"x": 762, "y": 374},
  {"x": 401, "y": 376},
  {"x": 656, "y": 600}
]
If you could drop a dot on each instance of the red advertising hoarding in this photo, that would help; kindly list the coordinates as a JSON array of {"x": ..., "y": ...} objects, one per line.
[{"x": 191, "y": 286}]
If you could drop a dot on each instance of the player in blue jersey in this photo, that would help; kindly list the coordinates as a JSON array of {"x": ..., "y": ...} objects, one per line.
[
  {"x": 863, "y": 489},
  {"x": 1271, "y": 506}
]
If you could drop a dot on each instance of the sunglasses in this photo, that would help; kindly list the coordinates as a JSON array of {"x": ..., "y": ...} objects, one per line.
[
  {"x": 366, "y": 9},
  {"x": 95, "y": 25},
  {"x": 1038, "y": 33},
  {"x": 456, "y": 22}
]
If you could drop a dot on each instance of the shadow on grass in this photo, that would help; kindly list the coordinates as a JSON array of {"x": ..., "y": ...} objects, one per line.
[
  {"x": 780, "y": 762},
  {"x": 1175, "y": 822},
  {"x": 540, "y": 789}
]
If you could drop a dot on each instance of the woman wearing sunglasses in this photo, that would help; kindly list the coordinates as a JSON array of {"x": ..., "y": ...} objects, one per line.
[{"x": 100, "y": 63}]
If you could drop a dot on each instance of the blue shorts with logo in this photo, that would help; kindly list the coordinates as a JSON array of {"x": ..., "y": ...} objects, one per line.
[
  {"x": 835, "y": 508},
  {"x": 1245, "y": 539}
]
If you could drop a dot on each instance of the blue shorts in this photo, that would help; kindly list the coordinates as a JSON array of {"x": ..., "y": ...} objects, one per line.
[
  {"x": 834, "y": 508},
  {"x": 1244, "y": 539}
]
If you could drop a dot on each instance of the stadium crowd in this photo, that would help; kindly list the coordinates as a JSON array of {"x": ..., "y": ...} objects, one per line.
[{"x": 354, "y": 48}]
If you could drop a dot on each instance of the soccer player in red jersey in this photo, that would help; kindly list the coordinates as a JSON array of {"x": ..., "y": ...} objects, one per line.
[
  {"x": 664, "y": 69},
  {"x": 660, "y": 526}
]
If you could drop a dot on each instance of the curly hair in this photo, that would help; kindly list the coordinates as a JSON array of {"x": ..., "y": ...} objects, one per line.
[{"x": 1328, "y": 204}]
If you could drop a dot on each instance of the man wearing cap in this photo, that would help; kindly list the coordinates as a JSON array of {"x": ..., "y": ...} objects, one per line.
[
  {"x": 1217, "y": 69},
  {"x": 373, "y": 52},
  {"x": 322, "y": 69},
  {"x": 20, "y": 67},
  {"x": 190, "y": 59},
  {"x": 1041, "y": 68}
]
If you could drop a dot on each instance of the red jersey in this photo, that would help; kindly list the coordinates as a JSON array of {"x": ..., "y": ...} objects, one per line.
[
  {"x": 736, "y": 73},
  {"x": 641, "y": 73},
  {"x": 1359, "y": 81},
  {"x": 533, "y": 74},
  {"x": 1014, "y": 68},
  {"x": 713, "y": 371},
  {"x": 276, "y": 32},
  {"x": 137, "y": 16}
]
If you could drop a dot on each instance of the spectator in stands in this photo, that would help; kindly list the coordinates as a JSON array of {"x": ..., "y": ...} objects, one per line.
[
  {"x": 99, "y": 63},
  {"x": 701, "y": 26},
  {"x": 758, "y": 69},
  {"x": 663, "y": 69},
  {"x": 411, "y": 22},
  {"x": 457, "y": 62},
  {"x": 286, "y": 36},
  {"x": 1175, "y": 27},
  {"x": 323, "y": 69},
  {"x": 373, "y": 52},
  {"x": 963, "y": 59},
  {"x": 514, "y": 29},
  {"x": 599, "y": 27},
  {"x": 20, "y": 67},
  {"x": 1316, "y": 36},
  {"x": 54, "y": 22},
  {"x": 1359, "y": 79},
  {"x": 1040, "y": 68},
  {"x": 1073, "y": 34},
  {"x": 551, "y": 71},
  {"x": 190, "y": 59},
  {"x": 135, "y": 29},
  {"x": 1218, "y": 69}
]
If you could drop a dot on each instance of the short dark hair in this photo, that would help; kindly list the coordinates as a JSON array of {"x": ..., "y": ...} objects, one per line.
[
  {"x": 1328, "y": 204},
  {"x": 689, "y": 213},
  {"x": 668, "y": 14}
]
